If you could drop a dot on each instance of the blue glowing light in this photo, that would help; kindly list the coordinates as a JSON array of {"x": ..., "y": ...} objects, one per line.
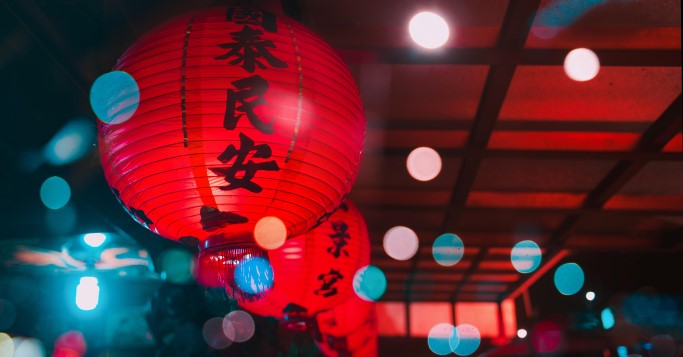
[
  {"x": 94, "y": 239},
  {"x": 622, "y": 351},
  {"x": 369, "y": 283},
  {"x": 55, "y": 192},
  {"x": 569, "y": 278},
  {"x": 647, "y": 346},
  {"x": 448, "y": 249},
  {"x": 71, "y": 143},
  {"x": 87, "y": 293},
  {"x": 61, "y": 221},
  {"x": 526, "y": 256},
  {"x": 607, "y": 318},
  {"x": 176, "y": 266},
  {"x": 441, "y": 337},
  {"x": 114, "y": 97},
  {"x": 469, "y": 340},
  {"x": 558, "y": 14},
  {"x": 254, "y": 275}
]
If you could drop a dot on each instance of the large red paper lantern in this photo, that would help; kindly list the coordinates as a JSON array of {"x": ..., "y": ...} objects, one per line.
[
  {"x": 345, "y": 318},
  {"x": 314, "y": 272},
  {"x": 359, "y": 342},
  {"x": 243, "y": 114}
]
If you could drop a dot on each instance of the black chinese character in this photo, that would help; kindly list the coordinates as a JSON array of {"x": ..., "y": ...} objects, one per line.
[
  {"x": 328, "y": 282},
  {"x": 248, "y": 47},
  {"x": 339, "y": 239},
  {"x": 244, "y": 100},
  {"x": 242, "y": 171},
  {"x": 213, "y": 219},
  {"x": 246, "y": 16}
]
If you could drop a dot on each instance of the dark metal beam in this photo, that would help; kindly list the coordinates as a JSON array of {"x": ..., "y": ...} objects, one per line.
[
  {"x": 508, "y": 56},
  {"x": 422, "y": 124},
  {"x": 653, "y": 140},
  {"x": 513, "y": 33},
  {"x": 535, "y": 154},
  {"x": 468, "y": 274},
  {"x": 585, "y": 211}
]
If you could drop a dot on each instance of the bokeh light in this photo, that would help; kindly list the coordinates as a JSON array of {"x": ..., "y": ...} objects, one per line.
[
  {"x": 569, "y": 278},
  {"x": 87, "y": 293},
  {"x": 622, "y": 351},
  {"x": 448, "y": 249},
  {"x": 254, "y": 275},
  {"x": 607, "y": 318},
  {"x": 55, "y": 192},
  {"x": 401, "y": 243},
  {"x": 70, "y": 344},
  {"x": 8, "y": 314},
  {"x": 526, "y": 256},
  {"x": 176, "y": 266},
  {"x": 240, "y": 324},
  {"x": 28, "y": 347},
  {"x": 94, "y": 239},
  {"x": 369, "y": 283},
  {"x": 521, "y": 333},
  {"x": 590, "y": 296},
  {"x": 61, "y": 221},
  {"x": 428, "y": 30},
  {"x": 469, "y": 340},
  {"x": 6, "y": 345},
  {"x": 214, "y": 334},
  {"x": 441, "y": 337},
  {"x": 581, "y": 64},
  {"x": 114, "y": 97},
  {"x": 270, "y": 233},
  {"x": 424, "y": 163},
  {"x": 70, "y": 143}
]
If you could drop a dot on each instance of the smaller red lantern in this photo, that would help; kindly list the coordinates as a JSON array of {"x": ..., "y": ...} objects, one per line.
[
  {"x": 359, "y": 342},
  {"x": 314, "y": 272},
  {"x": 342, "y": 320}
]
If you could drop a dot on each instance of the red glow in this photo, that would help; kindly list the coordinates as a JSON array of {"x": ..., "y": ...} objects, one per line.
[
  {"x": 552, "y": 140},
  {"x": 509, "y": 318},
  {"x": 525, "y": 199},
  {"x": 483, "y": 315},
  {"x": 391, "y": 318},
  {"x": 675, "y": 144},
  {"x": 424, "y": 315},
  {"x": 645, "y": 202},
  {"x": 509, "y": 278}
]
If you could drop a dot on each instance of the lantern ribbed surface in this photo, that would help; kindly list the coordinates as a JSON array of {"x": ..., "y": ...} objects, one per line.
[
  {"x": 360, "y": 342},
  {"x": 315, "y": 272},
  {"x": 243, "y": 114}
]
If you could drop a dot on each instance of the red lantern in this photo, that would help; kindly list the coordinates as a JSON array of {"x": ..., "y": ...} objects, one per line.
[
  {"x": 345, "y": 318},
  {"x": 243, "y": 114},
  {"x": 359, "y": 342},
  {"x": 314, "y": 272}
]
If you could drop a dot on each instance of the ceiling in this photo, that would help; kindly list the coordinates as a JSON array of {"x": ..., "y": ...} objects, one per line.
[{"x": 579, "y": 167}]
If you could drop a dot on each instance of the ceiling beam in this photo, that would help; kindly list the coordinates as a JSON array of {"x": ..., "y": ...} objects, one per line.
[
  {"x": 508, "y": 56},
  {"x": 653, "y": 140},
  {"x": 549, "y": 124},
  {"x": 531, "y": 210},
  {"x": 534, "y": 154}
]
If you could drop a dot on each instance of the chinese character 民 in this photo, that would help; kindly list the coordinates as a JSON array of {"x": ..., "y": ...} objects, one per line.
[
  {"x": 244, "y": 100},
  {"x": 339, "y": 239},
  {"x": 248, "y": 48},
  {"x": 328, "y": 282},
  {"x": 242, "y": 171},
  {"x": 246, "y": 16}
]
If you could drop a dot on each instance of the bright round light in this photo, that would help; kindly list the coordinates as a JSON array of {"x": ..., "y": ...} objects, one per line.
[
  {"x": 569, "y": 278},
  {"x": 526, "y": 256},
  {"x": 270, "y": 233},
  {"x": 428, "y": 30},
  {"x": 369, "y": 283},
  {"x": 94, "y": 239},
  {"x": 441, "y": 337},
  {"x": 55, "y": 192},
  {"x": 469, "y": 340},
  {"x": 254, "y": 275},
  {"x": 240, "y": 324},
  {"x": 521, "y": 333},
  {"x": 114, "y": 97},
  {"x": 214, "y": 334},
  {"x": 448, "y": 249},
  {"x": 423, "y": 163},
  {"x": 28, "y": 347},
  {"x": 590, "y": 296},
  {"x": 401, "y": 243},
  {"x": 581, "y": 64},
  {"x": 6, "y": 345}
]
